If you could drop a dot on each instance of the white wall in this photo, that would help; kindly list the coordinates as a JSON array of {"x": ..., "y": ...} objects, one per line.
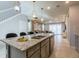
[
  {"x": 15, "y": 24},
  {"x": 11, "y": 20},
  {"x": 7, "y": 9},
  {"x": 8, "y": 4},
  {"x": 23, "y": 23},
  {"x": 73, "y": 23}
]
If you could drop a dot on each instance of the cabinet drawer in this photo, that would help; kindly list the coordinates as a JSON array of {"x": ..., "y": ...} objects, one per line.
[
  {"x": 33, "y": 49},
  {"x": 44, "y": 42}
]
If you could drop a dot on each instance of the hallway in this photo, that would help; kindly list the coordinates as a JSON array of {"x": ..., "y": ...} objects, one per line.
[{"x": 62, "y": 49}]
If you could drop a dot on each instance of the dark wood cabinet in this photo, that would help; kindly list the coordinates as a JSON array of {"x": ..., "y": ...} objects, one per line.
[
  {"x": 45, "y": 49},
  {"x": 77, "y": 43},
  {"x": 41, "y": 49},
  {"x": 51, "y": 44},
  {"x": 34, "y": 52}
]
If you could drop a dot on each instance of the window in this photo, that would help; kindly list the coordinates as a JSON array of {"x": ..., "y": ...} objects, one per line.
[{"x": 56, "y": 28}]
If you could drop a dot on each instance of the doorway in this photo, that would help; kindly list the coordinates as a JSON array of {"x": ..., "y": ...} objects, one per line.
[{"x": 56, "y": 28}]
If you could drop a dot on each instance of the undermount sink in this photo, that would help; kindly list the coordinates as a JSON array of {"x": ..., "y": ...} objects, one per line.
[{"x": 38, "y": 37}]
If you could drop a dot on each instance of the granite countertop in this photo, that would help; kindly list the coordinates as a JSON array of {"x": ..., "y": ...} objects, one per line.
[{"x": 25, "y": 45}]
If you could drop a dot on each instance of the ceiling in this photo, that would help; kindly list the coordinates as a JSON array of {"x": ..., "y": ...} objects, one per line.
[{"x": 57, "y": 8}]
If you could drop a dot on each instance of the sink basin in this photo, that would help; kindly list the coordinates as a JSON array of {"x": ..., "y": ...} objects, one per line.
[{"x": 38, "y": 37}]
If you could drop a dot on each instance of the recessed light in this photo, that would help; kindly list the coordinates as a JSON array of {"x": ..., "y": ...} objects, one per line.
[
  {"x": 48, "y": 7},
  {"x": 67, "y": 2}
]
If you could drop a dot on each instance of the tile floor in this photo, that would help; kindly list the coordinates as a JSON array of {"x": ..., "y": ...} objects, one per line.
[{"x": 62, "y": 49}]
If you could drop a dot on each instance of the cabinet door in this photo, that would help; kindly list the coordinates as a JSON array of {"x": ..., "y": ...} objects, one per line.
[
  {"x": 34, "y": 51},
  {"x": 51, "y": 44},
  {"x": 78, "y": 44},
  {"x": 45, "y": 51},
  {"x": 36, "y": 54}
]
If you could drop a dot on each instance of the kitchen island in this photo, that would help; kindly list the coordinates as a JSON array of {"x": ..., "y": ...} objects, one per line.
[{"x": 37, "y": 46}]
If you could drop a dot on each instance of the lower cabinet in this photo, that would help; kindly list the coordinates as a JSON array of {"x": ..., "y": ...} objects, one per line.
[
  {"x": 34, "y": 52},
  {"x": 77, "y": 43},
  {"x": 40, "y": 50},
  {"x": 45, "y": 49},
  {"x": 51, "y": 44}
]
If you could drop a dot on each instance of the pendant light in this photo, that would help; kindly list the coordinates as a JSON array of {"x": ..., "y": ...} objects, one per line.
[
  {"x": 17, "y": 8},
  {"x": 42, "y": 14},
  {"x": 33, "y": 12}
]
